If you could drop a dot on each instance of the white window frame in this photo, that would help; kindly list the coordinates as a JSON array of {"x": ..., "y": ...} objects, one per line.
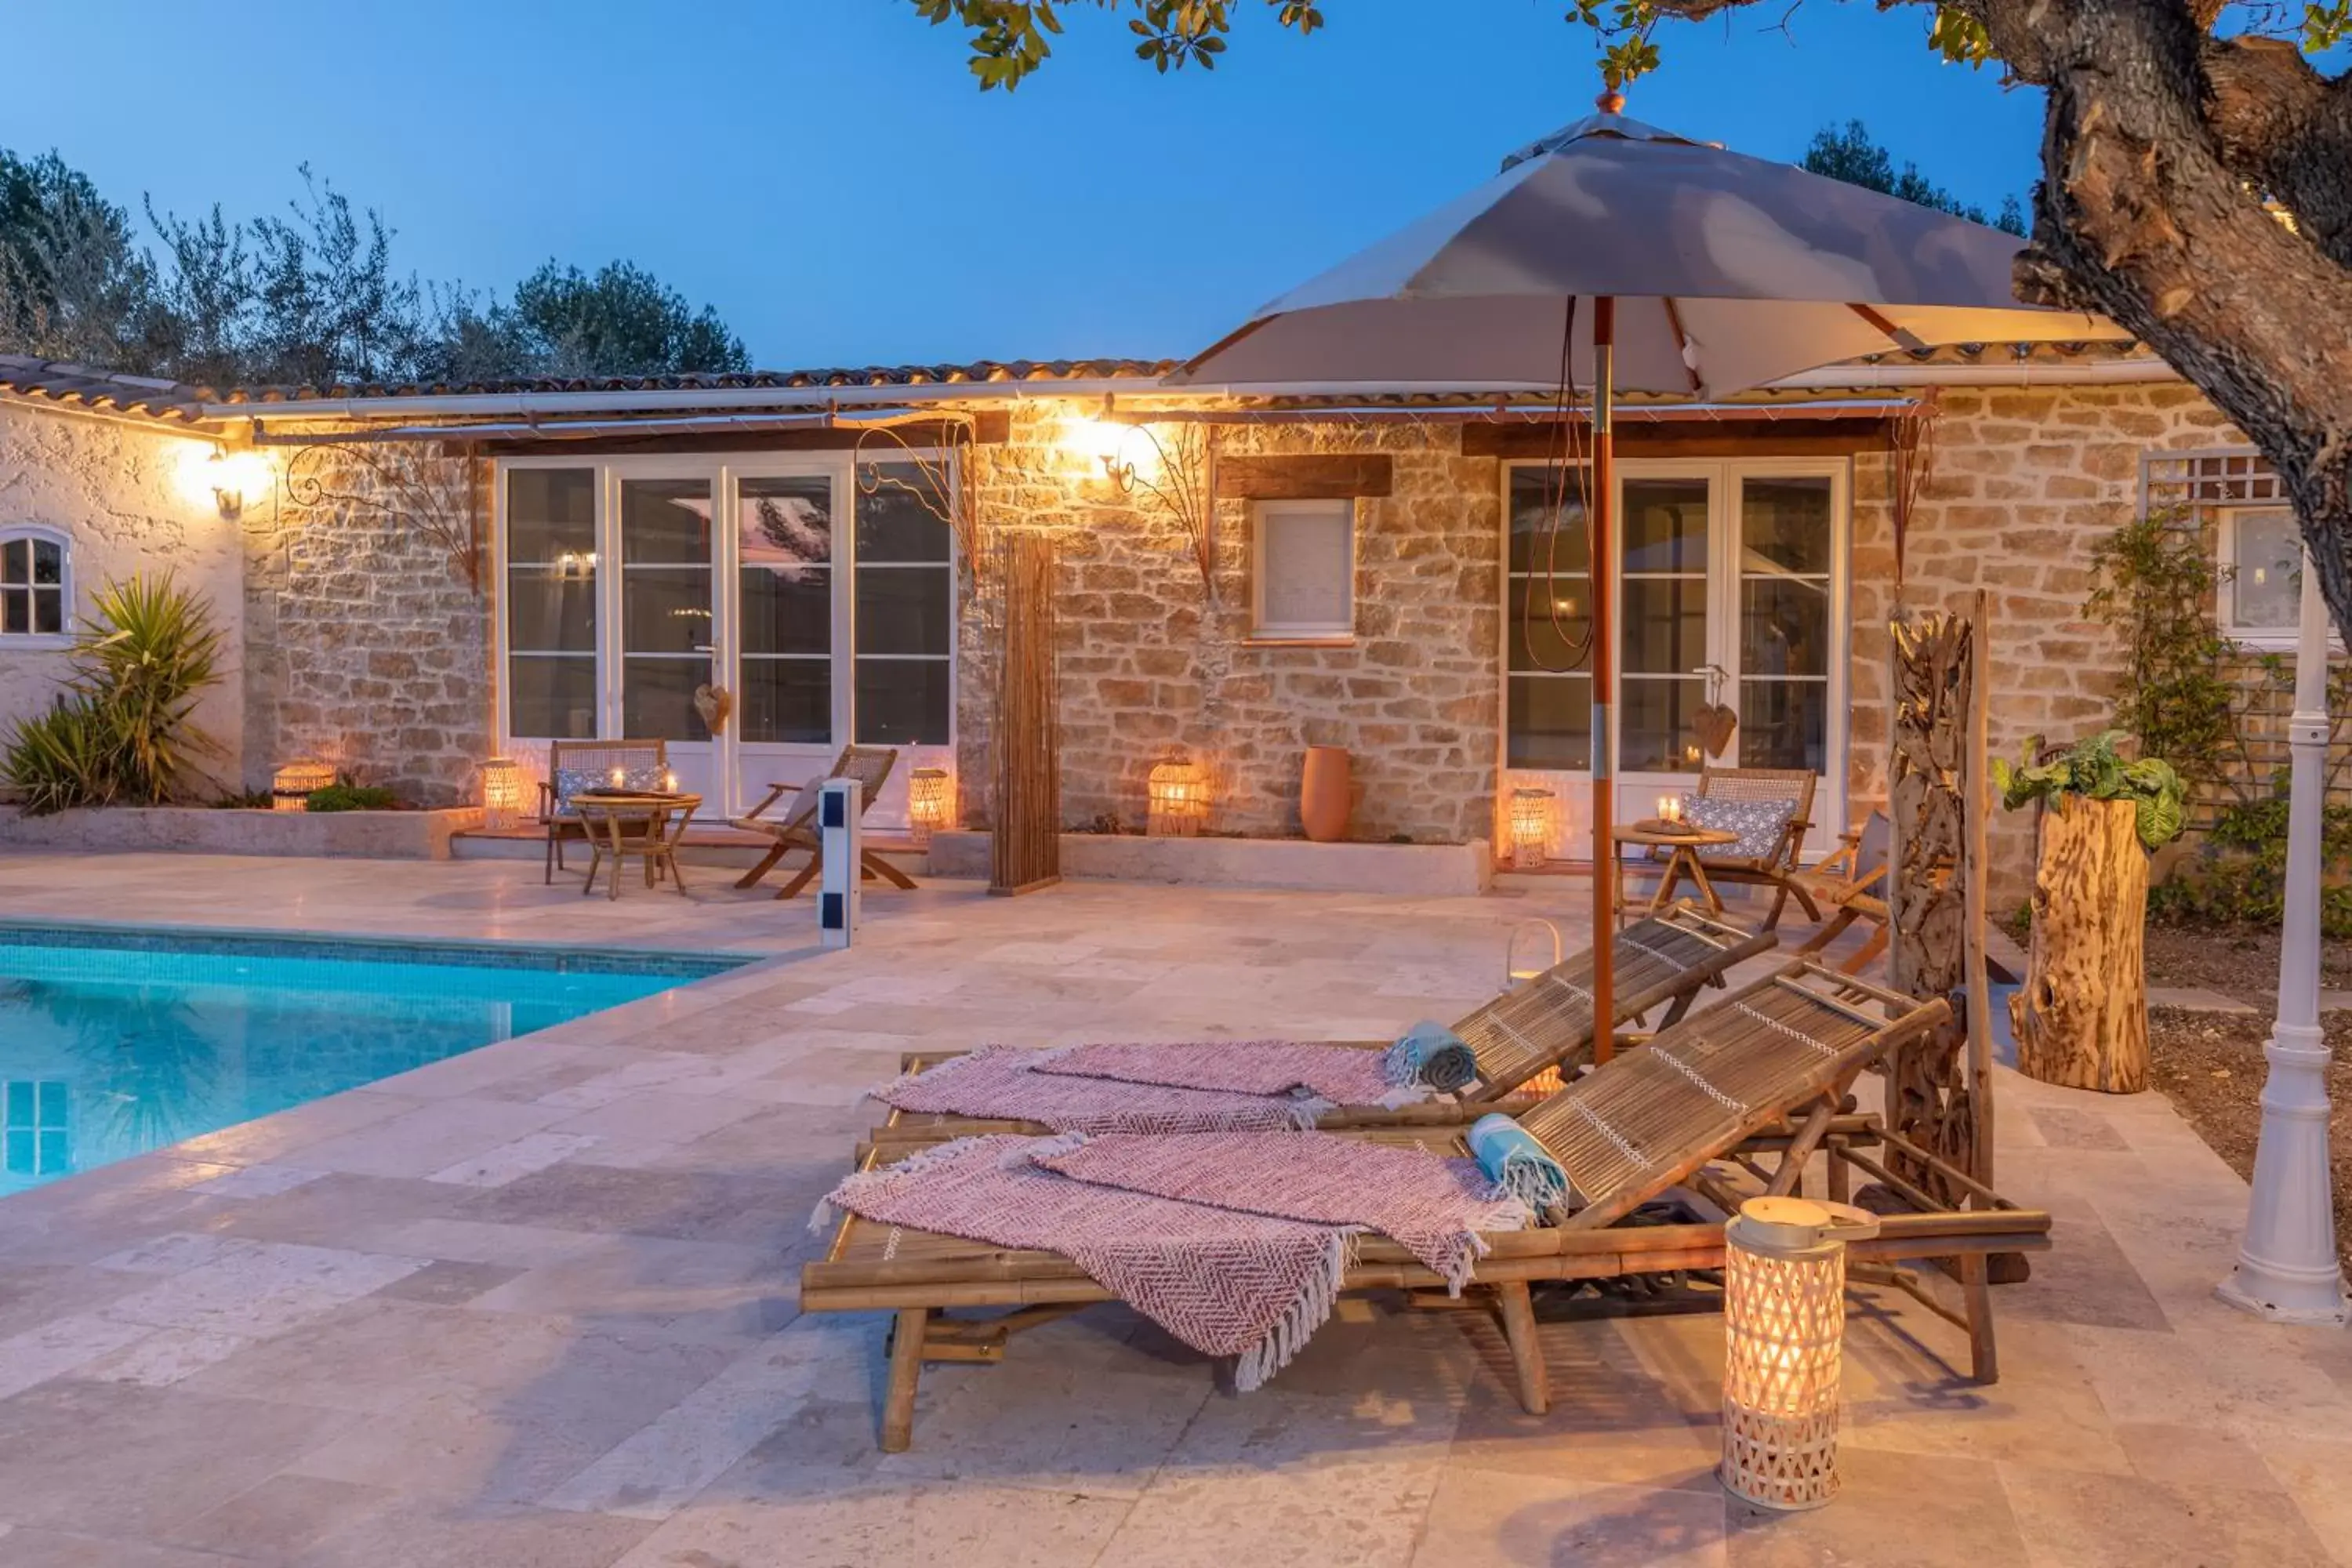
[
  {"x": 2225, "y": 552},
  {"x": 62, "y": 637},
  {"x": 1262, "y": 516}
]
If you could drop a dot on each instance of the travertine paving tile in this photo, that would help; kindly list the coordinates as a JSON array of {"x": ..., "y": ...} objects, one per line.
[
  {"x": 2077, "y": 1519},
  {"x": 1495, "y": 1519}
]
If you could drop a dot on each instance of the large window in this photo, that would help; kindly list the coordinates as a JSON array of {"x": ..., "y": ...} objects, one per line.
[
  {"x": 34, "y": 592},
  {"x": 786, "y": 530},
  {"x": 905, "y": 609},
  {"x": 550, "y": 553},
  {"x": 1549, "y": 586}
]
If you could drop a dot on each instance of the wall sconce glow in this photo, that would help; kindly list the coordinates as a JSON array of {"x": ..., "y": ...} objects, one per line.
[
  {"x": 1121, "y": 453},
  {"x": 1532, "y": 828},
  {"x": 232, "y": 479},
  {"x": 1784, "y": 1327}
]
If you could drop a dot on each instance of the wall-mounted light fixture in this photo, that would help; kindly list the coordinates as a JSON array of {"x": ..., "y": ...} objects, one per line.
[{"x": 234, "y": 479}]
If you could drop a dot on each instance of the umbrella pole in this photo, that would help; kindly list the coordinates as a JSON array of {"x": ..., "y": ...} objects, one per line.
[{"x": 1603, "y": 563}]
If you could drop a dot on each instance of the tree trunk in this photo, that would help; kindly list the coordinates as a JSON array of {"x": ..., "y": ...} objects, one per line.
[{"x": 2082, "y": 1019}]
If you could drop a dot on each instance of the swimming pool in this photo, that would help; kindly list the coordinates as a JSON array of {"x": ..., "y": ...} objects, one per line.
[{"x": 115, "y": 1039}]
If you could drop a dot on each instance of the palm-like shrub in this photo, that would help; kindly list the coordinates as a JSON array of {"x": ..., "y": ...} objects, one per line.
[{"x": 127, "y": 733}]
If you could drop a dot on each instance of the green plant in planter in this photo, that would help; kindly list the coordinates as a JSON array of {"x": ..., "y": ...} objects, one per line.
[
  {"x": 345, "y": 795},
  {"x": 2091, "y": 768}
]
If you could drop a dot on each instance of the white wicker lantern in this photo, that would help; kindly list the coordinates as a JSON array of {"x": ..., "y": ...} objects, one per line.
[
  {"x": 930, "y": 801},
  {"x": 1784, "y": 1322},
  {"x": 501, "y": 793},
  {"x": 290, "y": 786},
  {"x": 1532, "y": 818}
]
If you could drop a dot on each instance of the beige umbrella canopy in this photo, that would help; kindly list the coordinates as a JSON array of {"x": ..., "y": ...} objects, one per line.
[{"x": 1619, "y": 256}]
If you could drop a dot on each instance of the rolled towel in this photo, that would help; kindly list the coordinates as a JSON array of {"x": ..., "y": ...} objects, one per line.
[
  {"x": 1430, "y": 1054},
  {"x": 1519, "y": 1165}
]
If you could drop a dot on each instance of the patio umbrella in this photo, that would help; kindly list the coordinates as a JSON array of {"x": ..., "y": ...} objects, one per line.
[{"x": 1617, "y": 256}]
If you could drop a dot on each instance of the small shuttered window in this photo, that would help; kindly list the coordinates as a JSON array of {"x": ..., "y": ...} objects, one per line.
[{"x": 1304, "y": 585}]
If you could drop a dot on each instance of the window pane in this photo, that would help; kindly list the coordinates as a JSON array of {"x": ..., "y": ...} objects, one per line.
[
  {"x": 49, "y": 561},
  {"x": 48, "y": 610},
  {"x": 551, "y": 512},
  {"x": 1666, "y": 525},
  {"x": 1550, "y": 632},
  {"x": 15, "y": 561},
  {"x": 657, "y": 699},
  {"x": 786, "y": 525},
  {"x": 1308, "y": 560},
  {"x": 902, "y": 611},
  {"x": 788, "y": 610},
  {"x": 787, "y": 700},
  {"x": 549, "y": 609},
  {"x": 16, "y": 610},
  {"x": 902, "y": 701},
  {"x": 1784, "y": 627},
  {"x": 552, "y": 699},
  {"x": 1548, "y": 521},
  {"x": 2266, "y": 594},
  {"x": 1653, "y": 725},
  {"x": 1784, "y": 724},
  {"x": 1550, "y": 721},
  {"x": 664, "y": 520},
  {"x": 1665, "y": 624},
  {"x": 665, "y": 610},
  {"x": 1784, "y": 524},
  {"x": 894, "y": 523}
]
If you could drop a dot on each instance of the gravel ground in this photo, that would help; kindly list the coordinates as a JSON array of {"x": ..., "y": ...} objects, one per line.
[{"x": 2237, "y": 961}]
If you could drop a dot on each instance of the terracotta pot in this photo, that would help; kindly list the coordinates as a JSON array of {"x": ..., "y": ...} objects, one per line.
[{"x": 1323, "y": 794}]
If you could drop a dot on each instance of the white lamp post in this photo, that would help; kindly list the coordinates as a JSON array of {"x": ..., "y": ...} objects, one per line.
[{"x": 2286, "y": 1264}]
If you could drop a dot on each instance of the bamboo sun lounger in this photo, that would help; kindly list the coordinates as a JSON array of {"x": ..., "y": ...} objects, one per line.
[
  {"x": 1764, "y": 1073},
  {"x": 1539, "y": 1030}
]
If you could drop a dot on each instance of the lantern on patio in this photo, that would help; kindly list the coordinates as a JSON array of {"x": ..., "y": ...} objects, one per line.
[
  {"x": 1531, "y": 828},
  {"x": 290, "y": 786},
  {"x": 1784, "y": 1320},
  {"x": 501, "y": 793},
  {"x": 1179, "y": 797},
  {"x": 931, "y": 797}
]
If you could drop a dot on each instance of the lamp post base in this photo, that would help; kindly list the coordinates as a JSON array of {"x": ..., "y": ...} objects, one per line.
[
  {"x": 2287, "y": 1269},
  {"x": 2314, "y": 1302}
]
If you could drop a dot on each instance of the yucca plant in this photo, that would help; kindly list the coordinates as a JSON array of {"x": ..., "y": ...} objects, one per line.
[{"x": 63, "y": 757}]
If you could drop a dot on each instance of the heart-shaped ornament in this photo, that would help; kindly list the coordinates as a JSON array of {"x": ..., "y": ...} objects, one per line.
[
  {"x": 714, "y": 703},
  {"x": 1713, "y": 724}
]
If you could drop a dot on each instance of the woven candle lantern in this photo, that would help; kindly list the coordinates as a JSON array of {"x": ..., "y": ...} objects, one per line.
[
  {"x": 1532, "y": 818},
  {"x": 1784, "y": 1322},
  {"x": 1178, "y": 799},
  {"x": 502, "y": 793},
  {"x": 290, "y": 786},
  {"x": 931, "y": 800}
]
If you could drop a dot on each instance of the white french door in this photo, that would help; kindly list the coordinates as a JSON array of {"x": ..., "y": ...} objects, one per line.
[
  {"x": 1731, "y": 579},
  {"x": 818, "y": 594}
]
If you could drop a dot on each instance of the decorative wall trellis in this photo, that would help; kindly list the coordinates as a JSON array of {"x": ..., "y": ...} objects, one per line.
[
  {"x": 431, "y": 491},
  {"x": 1025, "y": 794}
]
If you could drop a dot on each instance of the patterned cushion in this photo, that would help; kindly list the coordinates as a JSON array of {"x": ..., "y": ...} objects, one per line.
[
  {"x": 1760, "y": 823},
  {"x": 570, "y": 782}
]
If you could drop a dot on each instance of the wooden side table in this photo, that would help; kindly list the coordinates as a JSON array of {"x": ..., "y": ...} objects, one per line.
[
  {"x": 1682, "y": 862},
  {"x": 648, "y": 826}
]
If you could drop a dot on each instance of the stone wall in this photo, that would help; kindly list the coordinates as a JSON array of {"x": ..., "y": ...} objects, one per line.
[
  {"x": 367, "y": 646},
  {"x": 1155, "y": 660},
  {"x": 129, "y": 497}
]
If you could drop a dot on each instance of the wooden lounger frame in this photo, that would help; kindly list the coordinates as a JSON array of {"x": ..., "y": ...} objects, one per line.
[
  {"x": 919, "y": 1276},
  {"x": 1540, "y": 1026}
]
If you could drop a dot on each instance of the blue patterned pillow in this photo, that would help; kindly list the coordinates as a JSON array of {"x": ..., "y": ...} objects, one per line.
[
  {"x": 570, "y": 782},
  {"x": 1760, "y": 823}
]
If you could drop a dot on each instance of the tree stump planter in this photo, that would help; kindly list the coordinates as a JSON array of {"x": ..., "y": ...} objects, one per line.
[{"x": 2081, "y": 1020}]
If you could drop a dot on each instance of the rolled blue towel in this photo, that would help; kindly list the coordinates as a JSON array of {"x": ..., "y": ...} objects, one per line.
[
  {"x": 1517, "y": 1164},
  {"x": 1430, "y": 1054}
]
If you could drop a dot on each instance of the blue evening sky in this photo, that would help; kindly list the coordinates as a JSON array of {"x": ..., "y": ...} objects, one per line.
[{"x": 828, "y": 175}]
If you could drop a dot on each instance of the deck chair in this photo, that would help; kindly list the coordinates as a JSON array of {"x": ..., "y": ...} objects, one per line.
[
  {"x": 794, "y": 827},
  {"x": 1776, "y": 869},
  {"x": 574, "y": 765},
  {"x": 1762, "y": 1072},
  {"x": 1852, "y": 884},
  {"x": 1541, "y": 1029}
]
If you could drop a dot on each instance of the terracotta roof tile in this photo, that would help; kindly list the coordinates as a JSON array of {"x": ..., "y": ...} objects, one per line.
[{"x": 85, "y": 387}]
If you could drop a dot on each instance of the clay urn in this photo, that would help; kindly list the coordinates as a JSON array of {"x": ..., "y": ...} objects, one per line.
[{"x": 1323, "y": 794}]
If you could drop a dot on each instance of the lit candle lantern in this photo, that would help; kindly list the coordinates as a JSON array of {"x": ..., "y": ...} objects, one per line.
[
  {"x": 1178, "y": 796},
  {"x": 619, "y": 779},
  {"x": 502, "y": 793},
  {"x": 1531, "y": 828},
  {"x": 669, "y": 782},
  {"x": 931, "y": 794},
  {"x": 1784, "y": 1323},
  {"x": 290, "y": 786}
]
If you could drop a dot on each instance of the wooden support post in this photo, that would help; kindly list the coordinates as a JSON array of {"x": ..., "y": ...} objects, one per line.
[
  {"x": 1974, "y": 865},
  {"x": 905, "y": 1370},
  {"x": 1025, "y": 804},
  {"x": 1518, "y": 1314}
]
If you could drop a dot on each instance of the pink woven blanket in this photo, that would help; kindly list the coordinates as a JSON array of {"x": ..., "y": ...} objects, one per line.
[
  {"x": 1224, "y": 1282},
  {"x": 1431, "y": 1206},
  {"x": 1001, "y": 1082},
  {"x": 1335, "y": 1073}
]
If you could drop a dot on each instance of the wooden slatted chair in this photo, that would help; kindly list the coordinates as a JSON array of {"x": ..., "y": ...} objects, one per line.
[
  {"x": 1851, "y": 882},
  {"x": 1762, "y": 1072},
  {"x": 573, "y": 765},
  {"x": 1541, "y": 1029},
  {"x": 794, "y": 827},
  {"x": 1778, "y": 868}
]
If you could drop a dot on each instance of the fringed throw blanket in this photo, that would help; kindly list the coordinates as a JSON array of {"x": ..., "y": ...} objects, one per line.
[
  {"x": 1333, "y": 1073},
  {"x": 1003, "y": 1083},
  {"x": 1225, "y": 1283},
  {"x": 1433, "y": 1207}
]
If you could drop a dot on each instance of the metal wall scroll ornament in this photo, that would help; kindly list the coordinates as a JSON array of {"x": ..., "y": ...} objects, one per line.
[
  {"x": 943, "y": 484},
  {"x": 430, "y": 495}
]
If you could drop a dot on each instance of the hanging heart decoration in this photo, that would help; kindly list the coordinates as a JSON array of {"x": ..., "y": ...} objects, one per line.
[
  {"x": 714, "y": 703},
  {"x": 1713, "y": 724}
]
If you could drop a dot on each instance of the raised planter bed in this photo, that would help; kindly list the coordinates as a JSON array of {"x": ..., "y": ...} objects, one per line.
[
  {"x": 204, "y": 830},
  {"x": 1421, "y": 870}
]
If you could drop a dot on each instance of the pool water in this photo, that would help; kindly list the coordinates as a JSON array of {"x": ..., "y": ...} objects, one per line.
[{"x": 116, "y": 1040}]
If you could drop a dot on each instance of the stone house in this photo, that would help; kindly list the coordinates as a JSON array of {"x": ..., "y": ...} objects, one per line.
[{"x": 420, "y": 578}]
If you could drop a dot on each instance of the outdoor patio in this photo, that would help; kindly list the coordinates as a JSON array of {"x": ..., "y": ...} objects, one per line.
[{"x": 535, "y": 1305}]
